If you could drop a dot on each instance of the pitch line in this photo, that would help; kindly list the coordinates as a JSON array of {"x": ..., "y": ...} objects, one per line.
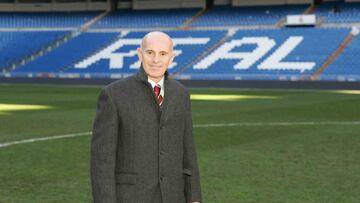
[
  {"x": 213, "y": 125},
  {"x": 7, "y": 144},
  {"x": 278, "y": 124}
]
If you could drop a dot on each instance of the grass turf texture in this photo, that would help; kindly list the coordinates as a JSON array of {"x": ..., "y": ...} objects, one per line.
[{"x": 261, "y": 163}]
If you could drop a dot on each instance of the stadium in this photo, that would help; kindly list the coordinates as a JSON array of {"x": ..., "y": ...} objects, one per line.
[{"x": 275, "y": 90}]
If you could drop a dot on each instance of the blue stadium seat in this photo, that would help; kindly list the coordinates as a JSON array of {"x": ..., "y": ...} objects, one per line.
[
  {"x": 315, "y": 47},
  {"x": 347, "y": 65},
  {"x": 17, "y": 45},
  {"x": 191, "y": 43},
  {"x": 127, "y": 18},
  {"x": 67, "y": 54},
  {"x": 115, "y": 53},
  {"x": 45, "y": 19},
  {"x": 259, "y": 15},
  {"x": 281, "y": 54},
  {"x": 339, "y": 12}
]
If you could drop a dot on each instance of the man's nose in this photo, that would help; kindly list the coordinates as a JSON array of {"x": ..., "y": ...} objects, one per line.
[{"x": 156, "y": 58}]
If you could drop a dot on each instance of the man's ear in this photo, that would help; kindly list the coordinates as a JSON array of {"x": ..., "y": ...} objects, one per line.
[{"x": 139, "y": 53}]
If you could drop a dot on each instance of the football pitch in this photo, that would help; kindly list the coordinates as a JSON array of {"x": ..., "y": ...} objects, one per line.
[{"x": 253, "y": 145}]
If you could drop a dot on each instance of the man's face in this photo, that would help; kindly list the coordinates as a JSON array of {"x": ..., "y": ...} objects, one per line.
[{"x": 156, "y": 55}]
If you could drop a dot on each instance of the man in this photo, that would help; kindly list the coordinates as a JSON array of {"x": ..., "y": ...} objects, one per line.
[{"x": 142, "y": 148}]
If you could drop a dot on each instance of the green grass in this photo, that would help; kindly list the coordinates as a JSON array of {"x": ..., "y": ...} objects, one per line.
[{"x": 241, "y": 163}]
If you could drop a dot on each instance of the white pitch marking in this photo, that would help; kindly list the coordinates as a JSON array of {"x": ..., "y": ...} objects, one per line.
[
  {"x": 7, "y": 144},
  {"x": 213, "y": 125},
  {"x": 278, "y": 124}
]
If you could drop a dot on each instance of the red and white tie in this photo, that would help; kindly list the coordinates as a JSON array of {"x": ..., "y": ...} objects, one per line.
[{"x": 158, "y": 96}]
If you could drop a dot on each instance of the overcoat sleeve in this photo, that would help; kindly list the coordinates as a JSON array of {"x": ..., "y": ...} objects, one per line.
[
  {"x": 191, "y": 168},
  {"x": 103, "y": 150}
]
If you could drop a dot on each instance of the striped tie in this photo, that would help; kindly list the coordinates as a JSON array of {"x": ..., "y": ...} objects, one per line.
[{"x": 158, "y": 96}]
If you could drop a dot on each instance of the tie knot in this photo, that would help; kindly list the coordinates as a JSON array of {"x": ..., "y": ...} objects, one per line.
[{"x": 157, "y": 89}]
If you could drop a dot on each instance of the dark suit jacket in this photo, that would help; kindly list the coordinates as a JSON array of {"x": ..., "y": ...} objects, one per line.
[{"x": 141, "y": 153}]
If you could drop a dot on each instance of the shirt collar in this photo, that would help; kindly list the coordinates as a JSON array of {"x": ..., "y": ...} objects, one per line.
[{"x": 160, "y": 83}]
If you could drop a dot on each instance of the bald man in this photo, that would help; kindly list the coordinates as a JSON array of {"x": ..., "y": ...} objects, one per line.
[{"x": 142, "y": 148}]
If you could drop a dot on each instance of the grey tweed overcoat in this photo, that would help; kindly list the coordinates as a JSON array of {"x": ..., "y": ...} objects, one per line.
[{"x": 141, "y": 153}]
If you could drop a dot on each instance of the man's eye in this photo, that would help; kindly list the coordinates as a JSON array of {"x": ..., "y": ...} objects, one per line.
[{"x": 149, "y": 52}]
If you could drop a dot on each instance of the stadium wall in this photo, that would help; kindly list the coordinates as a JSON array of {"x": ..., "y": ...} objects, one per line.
[
  {"x": 267, "y": 3},
  {"x": 246, "y": 84},
  {"x": 222, "y": 2},
  {"x": 299, "y": 1},
  {"x": 158, "y": 4},
  {"x": 257, "y": 2},
  {"x": 45, "y": 7}
]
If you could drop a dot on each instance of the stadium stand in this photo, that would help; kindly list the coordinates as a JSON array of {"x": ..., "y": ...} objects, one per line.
[
  {"x": 187, "y": 45},
  {"x": 339, "y": 12},
  {"x": 222, "y": 43},
  {"x": 126, "y": 18},
  {"x": 68, "y": 53},
  {"x": 270, "y": 54},
  {"x": 45, "y": 19},
  {"x": 15, "y": 46},
  {"x": 258, "y": 15},
  {"x": 108, "y": 51},
  {"x": 289, "y": 53},
  {"x": 346, "y": 66}
]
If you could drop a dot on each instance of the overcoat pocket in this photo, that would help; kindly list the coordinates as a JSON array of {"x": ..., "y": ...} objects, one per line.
[{"x": 126, "y": 187}]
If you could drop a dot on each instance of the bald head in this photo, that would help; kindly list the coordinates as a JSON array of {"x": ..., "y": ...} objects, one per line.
[
  {"x": 156, "y": 54},
  {"x": 157, "y": 37}
]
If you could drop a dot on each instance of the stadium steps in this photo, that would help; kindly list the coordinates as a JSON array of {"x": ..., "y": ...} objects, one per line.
[
  {"x": 187, "y": 23},
  {"x": 333, "y": 56},
  {"x": 230, "y": 33},
  {"x": 320, "y": 22},
  {"x": 41, "y": 52},
  {"x": 87, "y": 25},
  {"x": 311, "y": 9},
  {"x": 280, "y": 23}
]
